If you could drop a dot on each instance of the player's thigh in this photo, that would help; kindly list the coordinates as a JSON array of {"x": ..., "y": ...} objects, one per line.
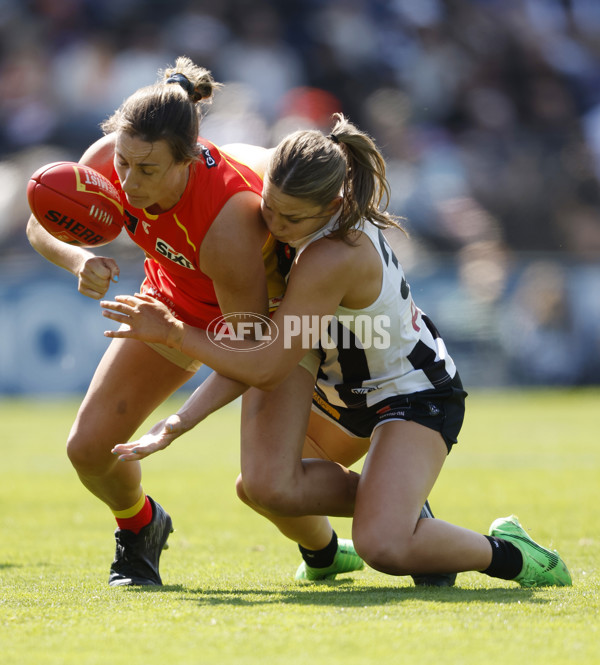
[
  {"x": 130, "y": 381},
  {"x": 401, "y": 467},
  {"x": 326, "y": 440},
  {"x": 273, "y": 426}
]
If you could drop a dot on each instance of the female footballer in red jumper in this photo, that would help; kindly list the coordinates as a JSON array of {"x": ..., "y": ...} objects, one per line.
[{"x": 195, "y": 212}]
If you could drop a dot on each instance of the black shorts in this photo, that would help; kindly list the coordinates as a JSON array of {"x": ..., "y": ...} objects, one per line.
[{"x": 442, "y": 410}]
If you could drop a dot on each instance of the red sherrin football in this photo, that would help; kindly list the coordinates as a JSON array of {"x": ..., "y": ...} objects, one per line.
[{"x": 76, "y": 204}]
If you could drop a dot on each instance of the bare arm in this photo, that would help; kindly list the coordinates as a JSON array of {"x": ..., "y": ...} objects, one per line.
[
  {"x": 94, "y": 273},
  {"x": 231, "y": 255},
  {"x": 312, "y": 296},
  {"x": 215, "y": 392}
]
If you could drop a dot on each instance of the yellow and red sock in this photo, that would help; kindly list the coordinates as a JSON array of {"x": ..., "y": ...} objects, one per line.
[{"x": 135, "y": 518}]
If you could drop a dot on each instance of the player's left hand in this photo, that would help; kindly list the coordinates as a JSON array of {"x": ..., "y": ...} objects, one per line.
[
  {"x": 147, "y": 319},
  {"x": 158, "y": 438}
]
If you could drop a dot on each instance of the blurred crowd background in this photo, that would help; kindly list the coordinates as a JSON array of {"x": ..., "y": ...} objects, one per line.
[{"x": 487, "y": 111}]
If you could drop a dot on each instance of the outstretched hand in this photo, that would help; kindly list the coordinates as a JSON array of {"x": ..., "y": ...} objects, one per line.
[
  {"x": 158, "y": 438},
  {"x": 146, "y": 318}
]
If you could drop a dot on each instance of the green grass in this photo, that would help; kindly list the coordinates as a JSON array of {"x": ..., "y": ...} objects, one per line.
[{"x": 229, "y": 596}]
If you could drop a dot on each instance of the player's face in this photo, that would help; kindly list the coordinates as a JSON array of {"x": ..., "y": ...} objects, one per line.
[
  {"x": 149, "y": 175},
  {"x": 289, "y": 218}
]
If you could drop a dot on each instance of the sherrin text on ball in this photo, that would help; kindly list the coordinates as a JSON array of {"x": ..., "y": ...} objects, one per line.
[{"x": 76, "y": 204}]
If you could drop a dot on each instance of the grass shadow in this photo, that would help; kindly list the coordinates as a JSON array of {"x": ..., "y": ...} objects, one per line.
[{"x": 345, "y": 593}]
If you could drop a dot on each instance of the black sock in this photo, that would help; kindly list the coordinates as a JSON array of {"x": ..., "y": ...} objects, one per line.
[
  {"x": 320, "y": 558},
  {"x": 507, "y": 560}
]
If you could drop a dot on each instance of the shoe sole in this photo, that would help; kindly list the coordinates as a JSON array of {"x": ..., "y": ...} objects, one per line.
[{"x": 434, "y": 579}]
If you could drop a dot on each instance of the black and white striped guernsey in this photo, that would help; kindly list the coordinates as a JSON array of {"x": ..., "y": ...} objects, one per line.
[{"x": 388, "y": 348}]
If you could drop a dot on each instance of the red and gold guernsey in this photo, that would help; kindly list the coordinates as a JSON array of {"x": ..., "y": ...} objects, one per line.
[{"x": 171, "y": 240}]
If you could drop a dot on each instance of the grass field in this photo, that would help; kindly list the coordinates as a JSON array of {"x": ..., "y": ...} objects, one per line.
[{"x": 229, "y": 595}]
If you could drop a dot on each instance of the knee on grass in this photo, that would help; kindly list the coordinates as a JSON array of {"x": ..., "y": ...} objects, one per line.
[{"x": 382, "y": 553}]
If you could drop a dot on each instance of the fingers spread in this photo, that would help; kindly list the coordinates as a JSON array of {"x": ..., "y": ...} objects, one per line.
[{"x": 120, "y": 304}]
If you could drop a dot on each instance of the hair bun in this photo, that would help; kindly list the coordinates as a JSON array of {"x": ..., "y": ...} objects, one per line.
[{"x": 185, "y": 83}]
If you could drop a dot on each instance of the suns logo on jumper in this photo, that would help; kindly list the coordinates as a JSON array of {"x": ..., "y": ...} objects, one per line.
[
  {"x": 163, "y": 247},
  {"x": 131, "y": 222}
]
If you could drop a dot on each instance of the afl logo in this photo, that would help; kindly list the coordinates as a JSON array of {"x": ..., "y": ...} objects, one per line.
[{"x": 242, "y": 331}]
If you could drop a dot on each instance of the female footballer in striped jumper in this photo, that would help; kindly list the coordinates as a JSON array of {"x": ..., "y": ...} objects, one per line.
[{"x": 357, "y": 368}]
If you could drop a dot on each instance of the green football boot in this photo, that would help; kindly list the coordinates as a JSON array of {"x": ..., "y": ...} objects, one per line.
[
  {"x": 346, "y": 560},
  {"x": 541, "y": 566}
]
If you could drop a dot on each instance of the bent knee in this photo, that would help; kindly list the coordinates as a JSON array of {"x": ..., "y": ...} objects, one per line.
[
  {"x": 241, "y": 492},
  {"x": 383, "y": 553},
  {"x": 277, "y": 498},
  {"x": 88, "y": 456}
]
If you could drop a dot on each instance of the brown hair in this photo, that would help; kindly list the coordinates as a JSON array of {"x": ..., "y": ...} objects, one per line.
[
  {"x": 309, "y": 165},
  {"x": 168, "y": 110}
]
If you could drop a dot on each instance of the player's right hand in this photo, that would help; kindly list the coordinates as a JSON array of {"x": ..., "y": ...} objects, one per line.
[
  {"x": 95, "y": 276},
  {"x": 159, "y": 437}
]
